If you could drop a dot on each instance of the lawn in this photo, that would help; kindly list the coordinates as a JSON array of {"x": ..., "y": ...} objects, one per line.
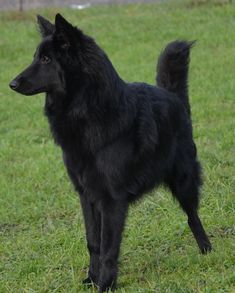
[{"x": 42, "y": 246}]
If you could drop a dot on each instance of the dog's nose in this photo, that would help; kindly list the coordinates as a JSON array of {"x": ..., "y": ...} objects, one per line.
[{"x": 14, "y": 84}]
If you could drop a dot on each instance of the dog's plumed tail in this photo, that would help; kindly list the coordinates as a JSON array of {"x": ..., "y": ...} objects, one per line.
[{"x": 172, "y": 69}]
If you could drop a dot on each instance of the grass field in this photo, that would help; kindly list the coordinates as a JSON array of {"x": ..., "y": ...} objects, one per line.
[{"x": 42, "y": 246}]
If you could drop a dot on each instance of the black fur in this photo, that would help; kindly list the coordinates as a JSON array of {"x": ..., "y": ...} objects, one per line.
[{"x": 119, "y": 140}]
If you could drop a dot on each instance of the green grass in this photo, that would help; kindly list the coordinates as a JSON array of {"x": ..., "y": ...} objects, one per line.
[{"x": 42, "y": 246}]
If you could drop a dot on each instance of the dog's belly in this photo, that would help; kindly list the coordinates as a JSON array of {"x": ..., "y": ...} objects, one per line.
[
  {"x": 128, "y": 175},
  {"x": 118, "y": 171}
]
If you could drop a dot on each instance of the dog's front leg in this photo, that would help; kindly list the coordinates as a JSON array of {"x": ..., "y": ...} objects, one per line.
[
  {"x": 113, "y": 214},
  {"x": 93, "y": 230}
]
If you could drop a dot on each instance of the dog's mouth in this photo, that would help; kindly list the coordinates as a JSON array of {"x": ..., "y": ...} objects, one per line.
[
  {"x": 32, "y": 92},
  {"x": 26, "y": 91}
]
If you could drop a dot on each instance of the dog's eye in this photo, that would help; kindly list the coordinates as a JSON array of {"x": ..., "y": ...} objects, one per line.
[{"x": 45, "y": 59}]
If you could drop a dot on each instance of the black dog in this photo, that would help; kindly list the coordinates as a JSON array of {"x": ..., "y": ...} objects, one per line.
[{"x": 119, "y": 139}]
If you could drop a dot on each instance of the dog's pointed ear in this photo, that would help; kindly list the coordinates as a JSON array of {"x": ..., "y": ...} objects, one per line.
[
  {"x": 46, "y": 27},
  {"x": 61, "y": 23},
  {"x": 66, "y": 33},
  {"x": 63, "y": 32}
]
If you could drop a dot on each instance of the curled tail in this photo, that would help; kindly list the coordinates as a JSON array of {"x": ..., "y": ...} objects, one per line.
[{"x": 172, "y": 70}]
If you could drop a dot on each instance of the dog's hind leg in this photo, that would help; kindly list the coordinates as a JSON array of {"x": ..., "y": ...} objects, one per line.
[
  {"x": 185, "y": 184},
  {"x": 113, "y": 216},
  {"x": 198, "y": 231}
]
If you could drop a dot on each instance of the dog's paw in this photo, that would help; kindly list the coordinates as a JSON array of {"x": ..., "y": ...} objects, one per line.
[
  {"x": 90, "y": 281},
  {"x": 107, "y": 288},
  {"x": 206, "y": 247},
  {"x": 107, "y": 281}
]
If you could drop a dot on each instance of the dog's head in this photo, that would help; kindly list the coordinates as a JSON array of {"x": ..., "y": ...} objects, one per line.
[{"x": 60, "y": 48}]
